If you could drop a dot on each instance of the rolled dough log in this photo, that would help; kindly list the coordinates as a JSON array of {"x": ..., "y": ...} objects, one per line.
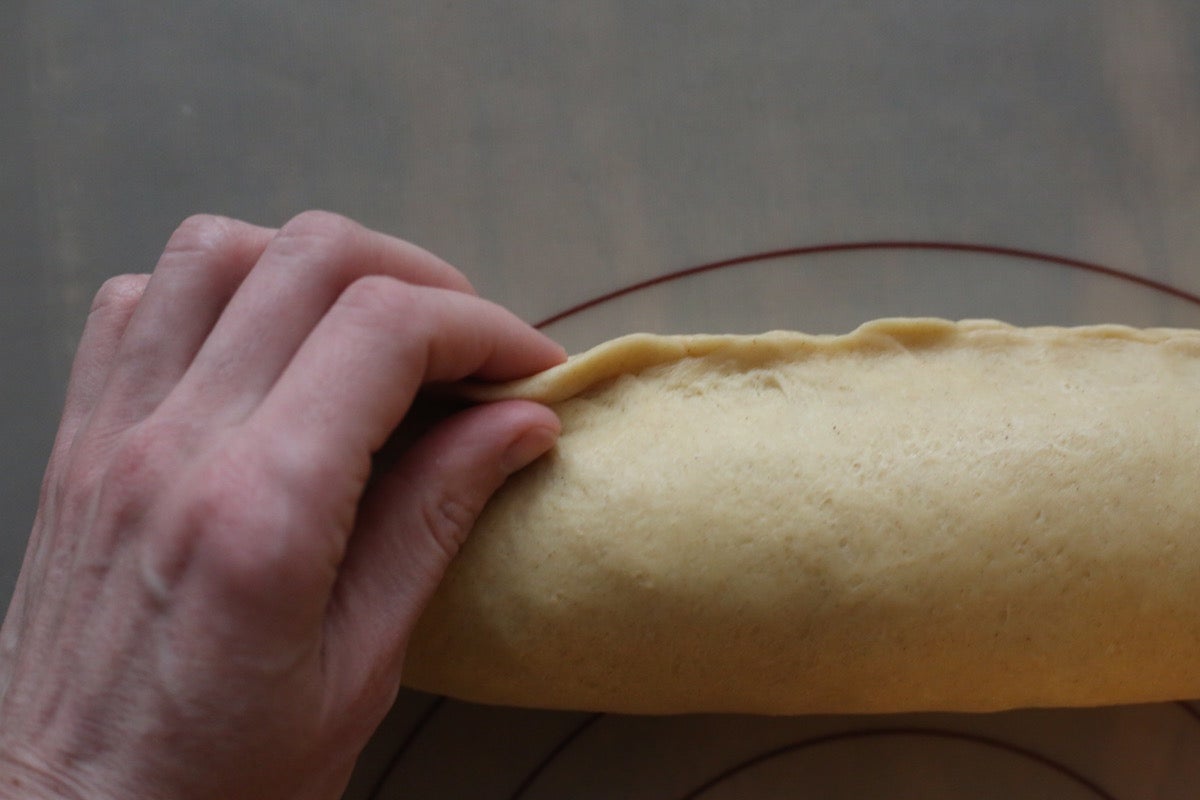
[{"x": 919, "y": 515}]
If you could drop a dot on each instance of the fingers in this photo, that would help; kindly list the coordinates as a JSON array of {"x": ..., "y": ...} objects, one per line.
[
  {"x": 106, "y": 324},
  {"x": 415, "y": 517},
  {"x": 354, "y": 378},
  {"x": 203, "y": 264},
  {"x": 300, "y": 274}
]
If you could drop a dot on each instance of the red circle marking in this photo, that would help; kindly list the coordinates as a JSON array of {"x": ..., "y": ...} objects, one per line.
[
  {"x": 885, "y": 244},
  {"x": 928, "y": 733}
]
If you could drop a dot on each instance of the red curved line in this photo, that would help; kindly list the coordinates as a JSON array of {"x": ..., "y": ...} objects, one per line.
[
  {"x": 885, "y": 244},
  {"x": 417, "y": 729},
  {"x": 555, "y": 751},
  {"x": 832, "y": 738},
  {"x": 1189, "y": 709}
]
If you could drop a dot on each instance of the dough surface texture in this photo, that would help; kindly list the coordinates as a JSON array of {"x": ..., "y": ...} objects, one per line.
[{"x": 919, "y": 515}]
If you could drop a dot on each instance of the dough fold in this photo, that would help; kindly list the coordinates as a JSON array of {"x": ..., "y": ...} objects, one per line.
[{"x": 919, "y": 515}]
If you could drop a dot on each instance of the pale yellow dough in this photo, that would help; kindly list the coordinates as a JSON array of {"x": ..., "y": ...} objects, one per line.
[{"x": 918, "y": 515}]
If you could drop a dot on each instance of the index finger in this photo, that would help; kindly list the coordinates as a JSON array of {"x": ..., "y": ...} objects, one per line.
[{"x": 355, "y": 376}]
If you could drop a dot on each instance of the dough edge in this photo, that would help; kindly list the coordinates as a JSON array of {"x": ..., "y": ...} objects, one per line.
[{"x": 635, "y": 352}]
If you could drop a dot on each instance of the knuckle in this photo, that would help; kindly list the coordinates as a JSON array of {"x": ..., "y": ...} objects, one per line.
[
  {"x": 324, "y": 242},
  {"x": 138, "y": 458},
  {"x": 229, "y": 509},
  {"x": 220, "y": 498},
  {"x": 447, "y": 521},
  {"x": 228, "y": 526},
  {"x": 249, "y": 532},
  {"x": 379, "y": 296},
  {"x": 119, "y": 293},
  {"x": 322, "y": 231},
  {"x": 202, "y": 234},
  {"x": 119, "y": 479}
]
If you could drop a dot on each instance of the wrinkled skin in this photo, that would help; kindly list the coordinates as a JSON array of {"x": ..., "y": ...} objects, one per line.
[{"x": 221, "y": 579}]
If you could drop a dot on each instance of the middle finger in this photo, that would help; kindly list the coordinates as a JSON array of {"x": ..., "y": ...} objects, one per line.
[{"x": 304, "y": 269}]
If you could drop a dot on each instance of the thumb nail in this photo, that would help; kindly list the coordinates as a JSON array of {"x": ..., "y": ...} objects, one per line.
[{"x": 526, "y": 449}]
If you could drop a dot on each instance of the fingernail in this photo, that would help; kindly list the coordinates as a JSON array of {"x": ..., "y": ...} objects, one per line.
[{"x": 525, "y": 450}]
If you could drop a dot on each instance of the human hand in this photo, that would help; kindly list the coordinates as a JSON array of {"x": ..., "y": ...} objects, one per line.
[{"x": 219, "y": 586}]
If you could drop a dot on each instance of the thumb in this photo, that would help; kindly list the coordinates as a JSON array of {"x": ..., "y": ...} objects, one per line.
[{"x": 415, "y": 517}]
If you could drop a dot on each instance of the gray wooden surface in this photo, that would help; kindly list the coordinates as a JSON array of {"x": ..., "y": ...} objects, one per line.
[{"x": 557, "y": 150}]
